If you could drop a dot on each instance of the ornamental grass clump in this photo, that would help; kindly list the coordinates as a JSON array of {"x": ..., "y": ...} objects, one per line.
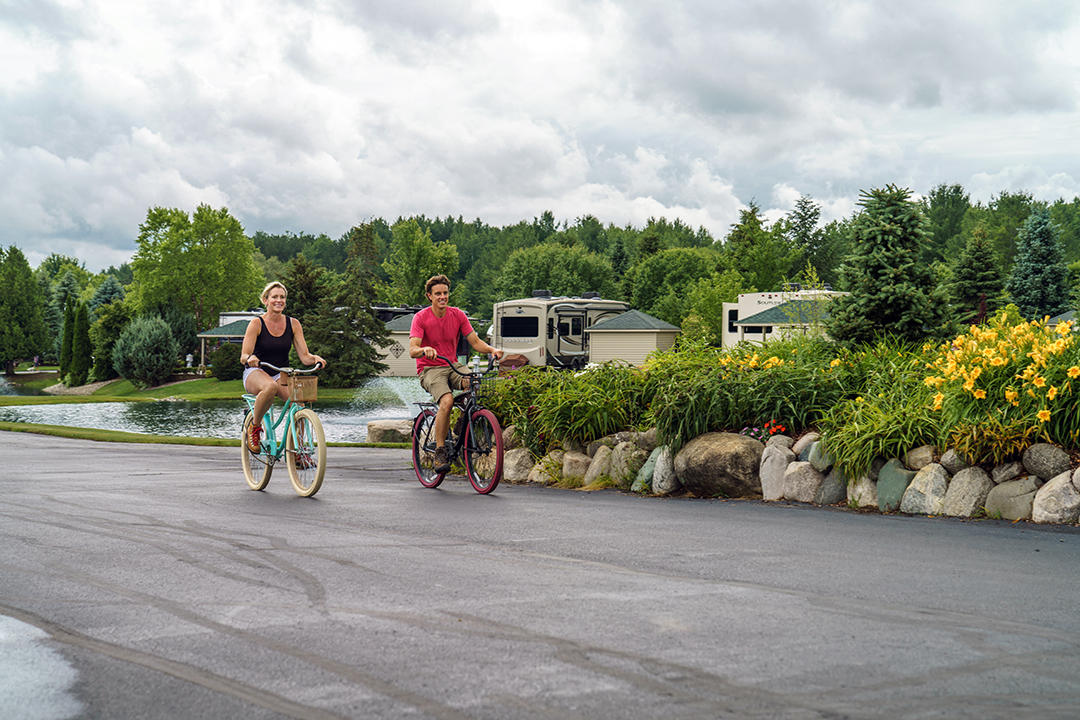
[{"x": 1002, "y": 386}]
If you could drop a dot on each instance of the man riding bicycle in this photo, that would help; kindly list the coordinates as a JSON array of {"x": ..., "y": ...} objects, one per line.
[{"x": 435, "y": 331}]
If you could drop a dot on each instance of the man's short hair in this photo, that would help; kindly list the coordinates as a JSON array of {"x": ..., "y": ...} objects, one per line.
[{"x": 436, "y": 280}]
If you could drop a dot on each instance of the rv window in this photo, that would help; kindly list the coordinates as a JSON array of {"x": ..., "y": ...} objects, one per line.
[
  {"x": 575, "y": 326},
  {"x": 520, "y": 326},
  {"x": 564, "y": 329}
]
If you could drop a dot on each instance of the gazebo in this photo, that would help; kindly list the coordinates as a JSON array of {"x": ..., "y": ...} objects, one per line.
[{"x": 230, "y": 332}]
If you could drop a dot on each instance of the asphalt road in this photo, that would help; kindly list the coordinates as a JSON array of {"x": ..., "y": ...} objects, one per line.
[{"x": 143, "y": 581}]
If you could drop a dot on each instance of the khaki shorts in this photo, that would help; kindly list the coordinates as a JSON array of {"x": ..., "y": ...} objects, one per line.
[{"x": 439, "y": 380}]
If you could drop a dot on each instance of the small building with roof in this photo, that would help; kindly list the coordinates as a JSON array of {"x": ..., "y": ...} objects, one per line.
[
  {"x": 629, "y": 336},
  {"x": 794, "y": 317}
]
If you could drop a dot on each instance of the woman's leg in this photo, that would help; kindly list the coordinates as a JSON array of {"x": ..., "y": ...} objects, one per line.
[{"x": 265, "y": 389}]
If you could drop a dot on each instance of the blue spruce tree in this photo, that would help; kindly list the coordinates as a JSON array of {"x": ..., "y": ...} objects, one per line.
[{"x": 1039, "y": 283}]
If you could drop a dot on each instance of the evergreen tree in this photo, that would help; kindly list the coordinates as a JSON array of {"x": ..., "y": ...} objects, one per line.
[
  {"x": 762, "y": 257},
  {"x": 308, "y": 287},
  {"x": 109, "y": 291},
  {"x": 67, "y": 336},
  {"x": 81, "y": 348},
  {"x": 22, "y": 332},
  {"x": 1039, "y": 283},
  {"x": 976, "y": 283},
  {"x": 345, "y": 330},
  {"x": 891, "y": 291},
  {"x": 945, "y": 209},
  {"x": 146, "y": 351},
  {"x": 54, "y": 319},
  {"x": 106, "y": 330}
]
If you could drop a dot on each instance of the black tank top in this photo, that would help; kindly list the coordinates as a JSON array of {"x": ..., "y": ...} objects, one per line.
[{"x": 274, "y": 349}]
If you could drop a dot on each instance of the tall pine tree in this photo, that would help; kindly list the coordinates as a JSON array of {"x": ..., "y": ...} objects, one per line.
[
  {"x": 345, "y": 330},
  {"x": 67, "y": 335},
  {"x": 81, "y": 348},
  {"x": 22, "y": 333},
  {"x": 892, "y": 293},
  {"x": 976, "y": 283},
  {"x": 1039, "y": 283}
]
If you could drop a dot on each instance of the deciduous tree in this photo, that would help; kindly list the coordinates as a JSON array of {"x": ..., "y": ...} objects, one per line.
[
  {"x": 22, "y": 331},
  {"x": 414, "y": 258}
]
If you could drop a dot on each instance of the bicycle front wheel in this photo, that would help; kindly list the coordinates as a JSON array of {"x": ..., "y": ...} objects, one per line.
[
  {"x": 484, "y": 451},
  {"x": 305, "y": 453},
  {"x": 423, "y": 449},
  {"x": 257, "y": 468}
]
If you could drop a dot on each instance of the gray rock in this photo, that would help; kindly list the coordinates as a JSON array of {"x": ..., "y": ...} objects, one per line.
[
  {"x": 1046, "y": 461},
  {"x": 774, "y": 462},
  {"x": 511, "y": 438},
  {"x": 573, "y": 446},
  {"x": 600, "y": 465},
  {"x": 892, "y": 483},
  {"x": 548, "y": 469},
  {"x": 875, "y": 467},
  {"x": 804, "y": 442},
  {"x": 1058, "y": 501},
  {"x": 920, "y": 457},
  {"x": 720, "y": 465},
  {"x": 833, "y": 490},
  {"x": 926, "y": 493},
  {"x": 389, "y": 431},
  {"x": 626, "y": 459},
  {"x": 643, "y": 481},
  {"x": 647, "y": 440},
  {"x": 967, "y": 492},
  {"x": 952, "y": 461},
  {"x": 1006, "y": 472},
  {"x": 781, "y": 440},
  {"x": 517, "y": 464},
  {"x": 802, "y": 481},
  {"x": 819, "y": 457},
  {"x": 575, "y": 464},
  {"x": 862, "y": 493},
  {"x": 1012, "y": 500},
  {"x": 664, "y": 479}
]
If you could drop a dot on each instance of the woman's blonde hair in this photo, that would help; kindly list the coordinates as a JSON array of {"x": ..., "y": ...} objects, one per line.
[{"x": 270, "y": 286}]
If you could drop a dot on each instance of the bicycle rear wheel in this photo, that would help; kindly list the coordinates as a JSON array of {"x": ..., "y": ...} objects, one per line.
[
  {"x": 257, "y": 467},
  {"x": 484, "y": 451},
  {"x": 305, "y": 456},
  {"x": 423, "y": 449}
]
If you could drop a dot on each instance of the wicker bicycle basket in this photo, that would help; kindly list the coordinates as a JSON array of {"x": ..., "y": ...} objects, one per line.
[{"x": 303, "y": 388}]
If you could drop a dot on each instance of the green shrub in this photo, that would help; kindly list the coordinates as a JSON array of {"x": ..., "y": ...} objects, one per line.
[
  {"x": 226, "y": 362},
  {"x": 145, "y": 352}
]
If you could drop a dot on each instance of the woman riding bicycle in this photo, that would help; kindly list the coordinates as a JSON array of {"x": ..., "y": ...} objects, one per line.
[
  {"x": 435, "y": 332},
  {"x": 268, "y": 339}
]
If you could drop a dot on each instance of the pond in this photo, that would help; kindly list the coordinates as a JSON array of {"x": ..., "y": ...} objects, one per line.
[{"x": 343, "y": 421}]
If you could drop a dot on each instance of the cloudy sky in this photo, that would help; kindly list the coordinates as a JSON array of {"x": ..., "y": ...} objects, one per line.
[{"x": 314, "y": 115}]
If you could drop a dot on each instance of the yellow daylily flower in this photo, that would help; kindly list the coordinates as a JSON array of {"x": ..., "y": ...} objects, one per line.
[{"x": 1043, "y": 415}]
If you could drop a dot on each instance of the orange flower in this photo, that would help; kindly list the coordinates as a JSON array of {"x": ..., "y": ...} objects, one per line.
[
  {"x": 980, "y": 394},
  {"x": 1051, "y": 393},
  {"x": 1038, "y": 381}
]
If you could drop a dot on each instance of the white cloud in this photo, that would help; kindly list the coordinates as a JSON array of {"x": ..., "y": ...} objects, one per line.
[{"x": 313, "y": 116}]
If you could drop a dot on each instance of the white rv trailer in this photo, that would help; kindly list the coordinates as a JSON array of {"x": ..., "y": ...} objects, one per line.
[
  {"x": 751, "y": 304},
  {"x": 551, "y": 330}
]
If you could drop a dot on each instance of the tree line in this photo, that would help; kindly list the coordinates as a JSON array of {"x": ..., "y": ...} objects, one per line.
[{"x": 189, "y": 268}]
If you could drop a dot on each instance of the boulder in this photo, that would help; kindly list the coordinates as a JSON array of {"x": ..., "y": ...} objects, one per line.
[
  {"x": 1006, "y": 472},
  {"x": 892, "y": 483},
  {"x": 517, "y": 464},
  {"x": 1058, "y": 501},
  {"x": 664, "y": 479},
  {"x": 600, "y": 465},
  {"x": 875, "y": 467},
  {"x": 573, "y": 446},
  {"x": 1046, "y": 461},
  {"x": 952, "y": 461},
  {"x": 862, "y": 493},
  {"x": 720, "y": 465},
  {"x": 833, "y": 490},
  {"x": 926, "y": 493},
  {"x": 643, "y": 481},
  {"x": 549, "y": 468},
  {"x": 390, "y": 431},
  {"x": 967, "y": 492},
  {"x": 575, "y": 464},
  {"x": 918, "y": 458},
  {"x": 626, "y": 459},
  {"x": 1012, "y": 500},
  {"x": 802, "y": 481},
  {"x": 819, "y": 457},
  {"x": 774, "y": 462},
  {"x": 803, "y": 443},
  {"x": 647, "y": 440},
  {"x": 511, "y": 438},
  {"x": 781, "y": 440}
]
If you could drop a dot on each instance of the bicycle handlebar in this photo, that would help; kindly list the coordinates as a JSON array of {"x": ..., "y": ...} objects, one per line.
[
  {"x": 450, "y": 364},
  {"x": 289, "y": 370}
]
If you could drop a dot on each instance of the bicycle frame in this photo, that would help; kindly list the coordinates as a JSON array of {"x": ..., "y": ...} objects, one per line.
[{"x": 275, "y": 447}]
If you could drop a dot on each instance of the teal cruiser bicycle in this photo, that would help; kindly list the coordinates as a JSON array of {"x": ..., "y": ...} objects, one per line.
[{"x": 293, "y": 432}]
